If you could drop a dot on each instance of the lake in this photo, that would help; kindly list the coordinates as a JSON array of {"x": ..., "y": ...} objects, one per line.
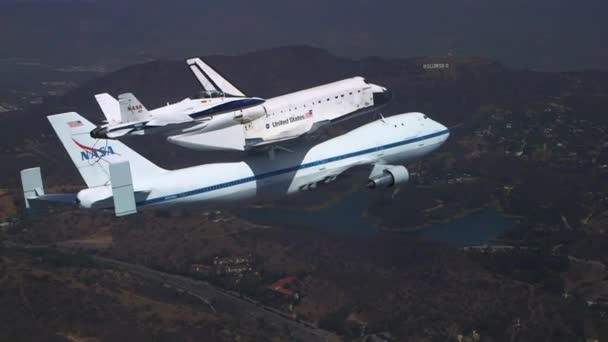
[{"x": 347, "y": 216}]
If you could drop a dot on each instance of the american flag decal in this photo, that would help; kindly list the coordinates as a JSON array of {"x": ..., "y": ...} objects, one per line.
[
  {"x": 308, "y": 114},
  {"x": 74, "y": 124}
]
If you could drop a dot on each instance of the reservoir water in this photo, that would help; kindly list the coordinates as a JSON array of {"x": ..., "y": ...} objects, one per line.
[{"x": 347, "y": 216}]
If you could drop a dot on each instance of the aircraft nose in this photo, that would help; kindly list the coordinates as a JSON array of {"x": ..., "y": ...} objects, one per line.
[
  {"x": 99, "y": 133},
  {"x": 383, "y": 96},
  {"x": 443, "y": 128}
]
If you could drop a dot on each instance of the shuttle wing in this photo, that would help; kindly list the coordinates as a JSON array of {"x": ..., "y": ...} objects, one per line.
[
  {"x": 287, "y": 136},
  {"x": 175, "y": 119},
  {"x": 210, "y": 79}
]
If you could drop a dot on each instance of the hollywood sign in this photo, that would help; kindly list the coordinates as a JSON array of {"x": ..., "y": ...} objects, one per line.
[{"x": 436, "y": 66}]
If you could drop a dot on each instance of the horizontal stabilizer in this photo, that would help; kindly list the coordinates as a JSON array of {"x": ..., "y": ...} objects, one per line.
[
  {"x": 70, "y": 198},
  {"x": 210, "y": 79},
  {"x": 33, "y": 192},
  {"x": 31, "y": 181}
]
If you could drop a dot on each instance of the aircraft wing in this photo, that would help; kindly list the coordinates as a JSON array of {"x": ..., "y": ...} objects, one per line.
[
  {"x": 354, "y": 170},
  {"x": 211, "y": 80},
  {"x": 252, "y": 143},
  {"x": 165, "y": 121}
]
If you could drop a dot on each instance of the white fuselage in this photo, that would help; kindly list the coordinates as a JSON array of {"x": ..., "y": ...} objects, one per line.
[{"x": 399, "y": 138}]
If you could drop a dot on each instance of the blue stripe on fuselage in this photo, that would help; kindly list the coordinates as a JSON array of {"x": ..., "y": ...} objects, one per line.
[
  {"x": 290, "y": 169},
  {"x": 137, "y": 126}
]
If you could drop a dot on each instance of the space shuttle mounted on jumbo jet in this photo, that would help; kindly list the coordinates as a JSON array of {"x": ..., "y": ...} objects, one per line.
[
  {"x": 120, "y": 179},
  {"x": 227, "y": 120}
]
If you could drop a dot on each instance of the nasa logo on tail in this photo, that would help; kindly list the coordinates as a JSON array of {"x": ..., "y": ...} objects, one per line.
[
  {"x": 135, "y": 108},
  {"x": 89, "y": 152}
]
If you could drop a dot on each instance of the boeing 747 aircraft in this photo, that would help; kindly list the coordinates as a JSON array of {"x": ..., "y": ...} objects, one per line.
[{"x": 118, "y": 178}]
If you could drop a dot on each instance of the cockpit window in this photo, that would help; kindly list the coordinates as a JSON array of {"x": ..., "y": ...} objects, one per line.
[{"x": 424, "y": 116}]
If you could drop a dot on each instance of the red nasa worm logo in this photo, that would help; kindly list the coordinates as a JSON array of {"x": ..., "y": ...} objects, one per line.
[
  {"x": 135, "y": 107},
  {"x": 89, "y": 152}
]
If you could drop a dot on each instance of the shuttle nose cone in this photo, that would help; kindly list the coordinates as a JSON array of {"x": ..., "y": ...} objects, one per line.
[
  {"x": 382, "y": 97},
  {"x": 99, "y": 133}
]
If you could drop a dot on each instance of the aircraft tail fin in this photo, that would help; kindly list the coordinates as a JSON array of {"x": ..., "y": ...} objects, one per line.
[
  {"x": 92, "y": 157},
  {"x": 131, "y": 109},
  {"x": 110, "y": 107},
  {"x": 210, "y": 79}
]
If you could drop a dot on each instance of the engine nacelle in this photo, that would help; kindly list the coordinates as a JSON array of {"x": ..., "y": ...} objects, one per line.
[
  {"x": 388, "y": 177},
  {"x": 249, "y": 114}
]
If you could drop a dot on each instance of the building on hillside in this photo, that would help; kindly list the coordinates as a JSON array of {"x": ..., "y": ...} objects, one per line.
[{"x": 287, "y": 286}]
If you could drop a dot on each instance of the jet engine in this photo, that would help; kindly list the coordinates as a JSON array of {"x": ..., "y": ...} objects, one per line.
[
  {"x": 388, "y": 176},
  {"x": 249, "y": 114}
]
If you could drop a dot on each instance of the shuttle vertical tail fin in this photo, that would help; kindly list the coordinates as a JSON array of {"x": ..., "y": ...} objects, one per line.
[
  {"x": 210, "y": 79},
  {"x": 92, "y": 157}
]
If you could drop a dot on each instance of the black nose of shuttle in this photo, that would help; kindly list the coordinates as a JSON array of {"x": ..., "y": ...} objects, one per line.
[{"x": 99, "y": 133}]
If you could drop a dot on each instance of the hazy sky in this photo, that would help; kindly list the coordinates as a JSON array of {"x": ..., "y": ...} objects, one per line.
[{"x": 545, "y": 34}]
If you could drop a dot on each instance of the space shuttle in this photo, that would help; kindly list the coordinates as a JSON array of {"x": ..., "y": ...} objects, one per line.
[{"x": 225, "y": 119}]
